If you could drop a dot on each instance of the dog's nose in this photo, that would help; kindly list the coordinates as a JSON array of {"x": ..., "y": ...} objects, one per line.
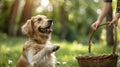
[{"x": 50, "y": 21}]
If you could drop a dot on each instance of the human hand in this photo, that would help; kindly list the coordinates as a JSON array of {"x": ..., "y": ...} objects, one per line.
[
  {"x": 95, "y": 25},
  {"x": 115, "y": 19},
  {"x": 113, "y": 22}
]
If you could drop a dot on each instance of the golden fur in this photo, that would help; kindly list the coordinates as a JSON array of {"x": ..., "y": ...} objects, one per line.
[{"x": 38, "y": 51}]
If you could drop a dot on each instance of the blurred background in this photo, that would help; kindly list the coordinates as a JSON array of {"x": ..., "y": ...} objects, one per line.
[
  {"x": 72, "y": 26},
  {"x": 72, "y": 18}
]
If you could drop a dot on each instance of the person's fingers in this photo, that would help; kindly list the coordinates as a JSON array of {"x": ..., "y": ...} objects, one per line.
[
  {"x": 110, "y": 24},
  {"x": 94, "y": 26}
]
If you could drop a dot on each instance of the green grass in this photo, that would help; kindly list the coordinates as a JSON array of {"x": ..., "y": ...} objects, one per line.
[{"x": 11, "y": 47}]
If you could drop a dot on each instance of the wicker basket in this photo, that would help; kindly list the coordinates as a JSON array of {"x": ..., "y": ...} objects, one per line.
[{"x": 102, "y": 60}]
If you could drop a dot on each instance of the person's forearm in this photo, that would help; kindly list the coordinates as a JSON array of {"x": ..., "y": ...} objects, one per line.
[{"x": 105, "y": 10}]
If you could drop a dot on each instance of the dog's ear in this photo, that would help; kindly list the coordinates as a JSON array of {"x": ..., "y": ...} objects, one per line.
[{"x": 27, "y": 28}]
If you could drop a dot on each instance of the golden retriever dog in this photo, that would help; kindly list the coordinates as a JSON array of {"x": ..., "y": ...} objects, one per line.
[{"x": 38, "y": 51}]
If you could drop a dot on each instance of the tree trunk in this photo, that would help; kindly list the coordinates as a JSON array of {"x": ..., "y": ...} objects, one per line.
[
  {"x": 12, "y": 18},
  {"x": 109, "y": 29},
  {"x": 26, "y": 14},
  {"x": 5, "y": 13},
  {"x": 63, "y": 17}
]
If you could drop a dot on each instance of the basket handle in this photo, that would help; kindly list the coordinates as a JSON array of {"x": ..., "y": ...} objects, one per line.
[{"x": 115, "y": 38}]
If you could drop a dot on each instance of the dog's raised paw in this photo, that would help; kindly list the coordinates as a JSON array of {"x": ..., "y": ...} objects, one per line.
[{"x": 55, "y": 48}]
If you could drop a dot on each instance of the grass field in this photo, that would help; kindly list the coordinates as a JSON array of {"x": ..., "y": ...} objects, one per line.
[{"x": 10, "y": 49}]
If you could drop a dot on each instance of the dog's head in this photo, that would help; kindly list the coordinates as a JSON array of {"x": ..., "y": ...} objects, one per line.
[{"x": 37, "y": 26}]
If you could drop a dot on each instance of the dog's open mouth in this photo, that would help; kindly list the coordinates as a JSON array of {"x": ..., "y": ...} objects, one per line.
[{"x": 46, "y": 30}]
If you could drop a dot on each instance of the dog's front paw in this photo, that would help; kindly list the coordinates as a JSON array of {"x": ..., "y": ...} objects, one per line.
[{"x": 55, "y": 48}]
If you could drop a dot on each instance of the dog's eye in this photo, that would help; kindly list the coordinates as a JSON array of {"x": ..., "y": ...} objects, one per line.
[{"x": 39, "y": 19}]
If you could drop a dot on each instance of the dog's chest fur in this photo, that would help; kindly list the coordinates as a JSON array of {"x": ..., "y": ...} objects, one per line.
[{"x": 32, "y": 49}]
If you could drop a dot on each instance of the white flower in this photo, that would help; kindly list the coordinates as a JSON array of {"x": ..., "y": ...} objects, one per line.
[
  {"x": 10, "y": 61},
  {"x": 64, "y": 63}
]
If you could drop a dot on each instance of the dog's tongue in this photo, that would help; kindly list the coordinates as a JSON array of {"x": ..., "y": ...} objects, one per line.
[{"x": 49, "y": 30}]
